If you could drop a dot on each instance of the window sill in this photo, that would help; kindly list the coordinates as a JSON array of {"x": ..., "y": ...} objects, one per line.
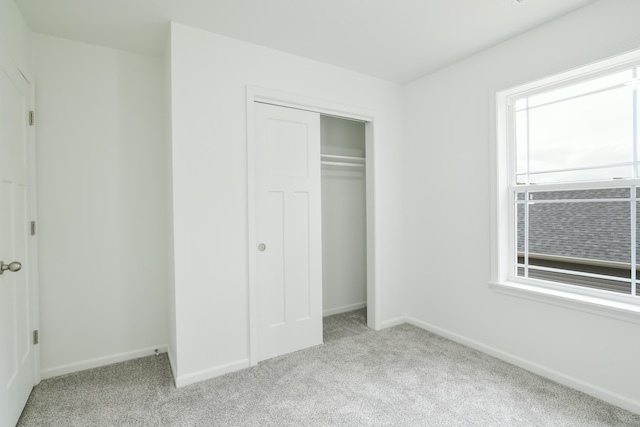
[{"x": 620, "y": 310}]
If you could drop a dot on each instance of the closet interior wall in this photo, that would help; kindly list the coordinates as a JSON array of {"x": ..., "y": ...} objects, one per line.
[{"x": 344, "y": 244}]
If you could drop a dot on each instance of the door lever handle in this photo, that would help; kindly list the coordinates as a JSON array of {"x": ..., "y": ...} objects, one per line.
[{"x": 12, "y": 266}]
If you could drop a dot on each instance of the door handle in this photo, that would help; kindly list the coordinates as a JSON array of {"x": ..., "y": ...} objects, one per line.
[
  {"x": 12, "y": 266},
  {"x": 262, "y": 247}
]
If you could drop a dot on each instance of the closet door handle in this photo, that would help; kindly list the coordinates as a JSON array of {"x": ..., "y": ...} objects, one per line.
[
  {"x": 12, "y": 266},
  {"x": 262, "y": 247}
]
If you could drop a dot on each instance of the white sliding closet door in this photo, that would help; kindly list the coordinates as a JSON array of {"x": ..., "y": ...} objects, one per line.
[{"x": 288, "y": 230}]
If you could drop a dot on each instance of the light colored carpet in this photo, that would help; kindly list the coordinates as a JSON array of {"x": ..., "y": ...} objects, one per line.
[{"x": 402, "y": 376}]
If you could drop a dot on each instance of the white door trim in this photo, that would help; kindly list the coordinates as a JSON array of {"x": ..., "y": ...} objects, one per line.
[{"x": 331, "y": 108}]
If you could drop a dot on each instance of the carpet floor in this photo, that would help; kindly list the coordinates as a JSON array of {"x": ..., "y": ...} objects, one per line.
[{"x": 401, "y": 376}]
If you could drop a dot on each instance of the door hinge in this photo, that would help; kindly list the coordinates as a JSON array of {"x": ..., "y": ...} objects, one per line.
[
  {"x": 32, "y": 118},
  {"x": 36, "y": 337},
  {"x": 33, "y": 228}
]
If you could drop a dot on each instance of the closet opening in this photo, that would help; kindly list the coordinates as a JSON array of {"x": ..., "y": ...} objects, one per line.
[{"x": 344, "y": 227}]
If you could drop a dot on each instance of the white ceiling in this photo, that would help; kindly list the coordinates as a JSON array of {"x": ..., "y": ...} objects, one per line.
[{"x": 397, "y": 40}]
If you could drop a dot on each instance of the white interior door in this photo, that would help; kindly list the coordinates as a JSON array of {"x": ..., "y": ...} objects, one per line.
[
  {"x": 288, "y": 230},
  {"x": 17, "y": 354}
]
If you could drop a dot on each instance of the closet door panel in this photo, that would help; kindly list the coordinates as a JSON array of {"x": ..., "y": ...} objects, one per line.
[
  {"x": 301, "y": 310},
  {"x": 289, "y": 230},
  {"x": 287, "y": 149}
]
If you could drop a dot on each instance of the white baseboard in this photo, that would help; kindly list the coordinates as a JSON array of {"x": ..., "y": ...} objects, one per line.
[
  {"x": 216, "y": 371},
  {"x": 559, "y": 377},
  {"x": 344, "y": 309},
  {"x": 100, "y": 361},
  {"x": 394, "y": 322}
]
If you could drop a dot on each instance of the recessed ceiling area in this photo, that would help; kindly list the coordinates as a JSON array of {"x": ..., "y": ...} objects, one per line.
[{"x": 396, "y": 40}]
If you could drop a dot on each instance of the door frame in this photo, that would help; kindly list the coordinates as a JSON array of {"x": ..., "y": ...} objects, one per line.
[
  {"x": 330, "y": 108},
  {"x": 25, "y": 82}
]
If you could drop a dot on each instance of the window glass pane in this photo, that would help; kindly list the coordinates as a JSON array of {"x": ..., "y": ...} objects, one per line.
[
  {"x": 581, "y": 88},
  {"x": 521, "y": 103},
  {"x": 637, "y": 247},
  {"x": 584, "y": 132},
  {"x": 579, "y": 133},
  {"x": 521, "y": 141},
  {"x": 580, "y": 175},
  {"x": 520, "y": 232},
  {"x": 581, "y": 234},
  {"x": 599, "y": 193}
]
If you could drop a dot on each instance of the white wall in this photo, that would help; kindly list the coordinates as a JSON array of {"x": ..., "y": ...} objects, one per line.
[
  {"x": 102, "y": 204},
  {"x": 15, "y": 36},
  {"x": 209, "y": 75},
  {"x": 344, "y": 239},
  {"x": 449, "y": 120}
]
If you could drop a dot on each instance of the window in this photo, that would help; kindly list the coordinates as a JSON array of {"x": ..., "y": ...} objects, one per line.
[{"x": 568, "y": 186}]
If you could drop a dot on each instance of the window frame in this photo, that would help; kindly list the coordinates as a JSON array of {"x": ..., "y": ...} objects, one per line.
[{"x": 503, "y": 280}]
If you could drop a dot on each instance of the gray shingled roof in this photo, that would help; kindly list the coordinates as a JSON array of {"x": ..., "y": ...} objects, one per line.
[{"x": 589, "y": 230}]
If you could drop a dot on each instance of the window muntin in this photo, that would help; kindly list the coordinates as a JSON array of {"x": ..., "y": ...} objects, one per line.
[
  {"x": 593, "y": 85},
  {"x": 574, "y": 183}
]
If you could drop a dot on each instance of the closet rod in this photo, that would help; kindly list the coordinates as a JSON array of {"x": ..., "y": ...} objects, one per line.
[
  {"x": 356, "y": 165},
  {"x": 348, "y": 158}
]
